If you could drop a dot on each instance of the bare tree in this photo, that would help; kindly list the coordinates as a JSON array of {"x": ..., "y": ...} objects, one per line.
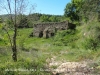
[
  {"x": 14, "y": 8},
  {"x": 13, "y": 20},
  {"x": 14, "y": 49}
]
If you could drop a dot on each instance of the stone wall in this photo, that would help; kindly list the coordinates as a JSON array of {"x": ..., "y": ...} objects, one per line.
[{"x": 47, "y": 30}]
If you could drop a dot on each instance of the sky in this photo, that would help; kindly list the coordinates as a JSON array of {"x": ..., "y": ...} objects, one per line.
[{"x": 53, "y": 7}]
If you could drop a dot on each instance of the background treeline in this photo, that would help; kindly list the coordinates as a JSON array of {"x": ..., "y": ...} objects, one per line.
[
  {"x": 29, "y": 20},
  {"x": 45, "y": 17}
]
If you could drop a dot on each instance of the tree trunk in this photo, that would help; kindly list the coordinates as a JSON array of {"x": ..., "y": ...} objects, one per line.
[
  {"x": 14, "y": 56},
  {"x": 14, "y": 48}
]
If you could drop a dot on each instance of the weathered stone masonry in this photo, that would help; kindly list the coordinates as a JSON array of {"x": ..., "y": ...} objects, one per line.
[{"x": 47, "y": 30}]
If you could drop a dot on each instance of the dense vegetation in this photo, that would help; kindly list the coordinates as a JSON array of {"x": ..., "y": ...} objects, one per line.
[
  {"x": 28, "y": 20},
  {"x": 81, "y": 44}
]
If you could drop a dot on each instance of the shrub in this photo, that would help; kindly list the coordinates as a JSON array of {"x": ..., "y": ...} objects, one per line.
[
  {"x": 66, "y": 38},
  {"x": 92, "y": 37}
]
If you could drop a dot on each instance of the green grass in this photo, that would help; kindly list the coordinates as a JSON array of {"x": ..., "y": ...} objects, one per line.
[{"x": 33, "y": 51}]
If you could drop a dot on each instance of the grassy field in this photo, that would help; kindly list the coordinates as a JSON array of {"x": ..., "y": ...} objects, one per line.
[{"x": 33, "y": 51}]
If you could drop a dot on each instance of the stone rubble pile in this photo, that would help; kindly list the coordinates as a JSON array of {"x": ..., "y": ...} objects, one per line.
[{"x": 69, "y": 68}]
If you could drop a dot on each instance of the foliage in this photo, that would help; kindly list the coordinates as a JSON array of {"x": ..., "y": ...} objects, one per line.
[
  {"x": 90, "y": 9},
  {"x": 15, "y": 8},
  {"x": 92, "y": 37},
  {"x": 23, "y": 66},
  {"x": 50, "y": 18},
  {"x": 54, "y": 19},
  {"x": 66, "y": 38},
  {"x": 44, "y": 18},
  {"x": 82, "y": 10},
  {"x": 24, "y": 22},
  {"x": 34, "y": 17},
  {"x": 72, "y": 9}
]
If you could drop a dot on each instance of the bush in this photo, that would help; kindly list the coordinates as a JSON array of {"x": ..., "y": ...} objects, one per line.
[
  {"x": 90, "y": 44},
  {"x": 24, "y": 66},
  {"x": 66, "y": 38},
  {"x": 92, "y": 37}
]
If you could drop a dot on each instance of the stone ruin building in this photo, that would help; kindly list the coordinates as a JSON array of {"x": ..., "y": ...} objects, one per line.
[{"x": 47, "y": 30}]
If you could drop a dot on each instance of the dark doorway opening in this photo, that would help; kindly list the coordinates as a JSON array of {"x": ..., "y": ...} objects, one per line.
[
  {"x": 41, "y": 34},
  {"x": 52, "y": 34}
]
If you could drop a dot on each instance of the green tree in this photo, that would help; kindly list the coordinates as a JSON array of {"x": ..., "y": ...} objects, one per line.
[
  {"x": 53, "y": 19},
  {"x": 90, "y": 9},
  {"x": 23, "y": 23},
  {"x": 35, "y": 17},
  {"x": 44, "y": 18},
  {"x": 72, "y": 10}
]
